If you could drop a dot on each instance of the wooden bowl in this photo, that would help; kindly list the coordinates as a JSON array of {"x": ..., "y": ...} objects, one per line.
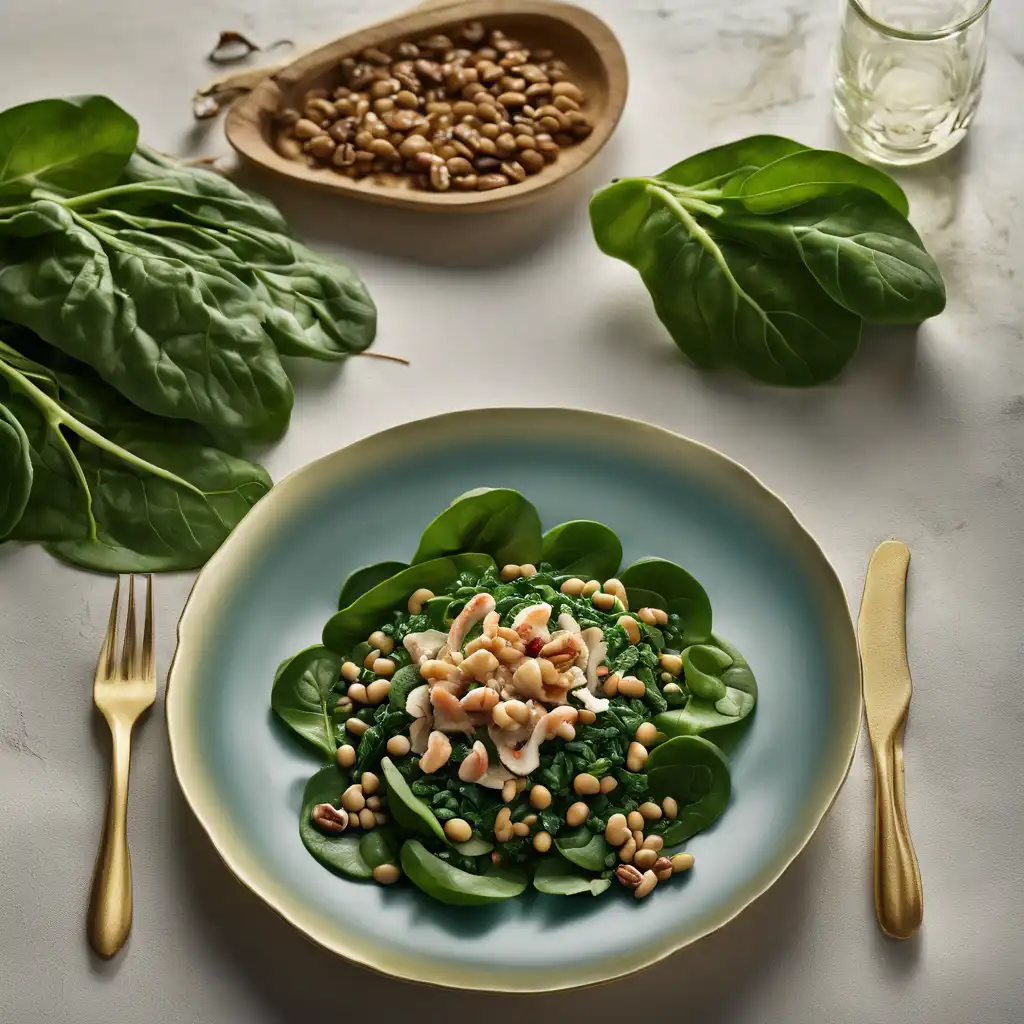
[{"x": 596, "y": 62}]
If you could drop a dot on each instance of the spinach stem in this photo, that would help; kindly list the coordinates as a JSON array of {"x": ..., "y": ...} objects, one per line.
[
  {"x": 52, "y": 413},
  {"x": 57, "y": 416}
]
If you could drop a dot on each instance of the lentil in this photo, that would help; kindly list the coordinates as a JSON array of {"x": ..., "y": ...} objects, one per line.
[
  {"x": 681, "y": 862},
  {"x": 647, "y": 733},
  {"x": 398, "y": 746},
  {"x": 386, "y": 874},
  {"x": 346, "y": 755},
  {"x": 577, "y": 814},
  {"x": 458, "y": 830},
  {"x": 586, "y": 785},
  {"x": 540, "y": 797},
  {"x": 542, "y": 842},
  {"x": 669, "y": 807},
  {"x": 644, "y": 859}
]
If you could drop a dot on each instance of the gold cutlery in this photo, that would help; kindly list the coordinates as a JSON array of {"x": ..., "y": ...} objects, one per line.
[
  {"x": 899, "y": 901},
  {"x": 123, "y": 689}
]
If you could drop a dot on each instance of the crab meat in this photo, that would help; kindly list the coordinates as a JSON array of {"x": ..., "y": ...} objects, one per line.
[
  {"x": 568, "y": 623},
  {"x": 439, "y": 749},
  {"x": 477, "y": 608},
  {"x": 533, "y": 622},
  {"x": 449, "y": 715},
  {"x": 495, "y": 777},
  {"x": 481, "y": 699},
  {"x": 527, "y": 758},
  {"x": 419, "y": 734},
  {"x": 590, "y": 702},
  {"x": 562, "y": 648},
  {"x": 425, "y": 644},
  {"x": 475, "y": 766},
  {"x": 594, "y": 639},
  {"x": 417, "y": 703}
]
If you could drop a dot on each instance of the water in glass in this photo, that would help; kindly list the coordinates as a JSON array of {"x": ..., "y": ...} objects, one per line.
[{"x": 908, "y": 75}]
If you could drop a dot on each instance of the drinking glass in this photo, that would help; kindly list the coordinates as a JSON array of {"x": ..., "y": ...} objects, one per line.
[{"x": 908, "y": 75}]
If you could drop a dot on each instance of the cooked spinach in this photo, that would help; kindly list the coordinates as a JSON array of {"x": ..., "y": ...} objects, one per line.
[
  {"x": 449, "y": 884},
  {"x": 701, "y": 714},
  {"x": 362, "y": 580},
  {"x": 766, "y": 255},
  {"x": 557, "y": 877},
  {"x": 340, "y": 853},
  {"x": 496, "y": 521},
  {"x": 161, "y": 296},
  {"x": 303, "y": 696},
  {"x": 407, "y": 809},
  {"x": 695, "y": 773},
  {"x": 354, "y": 623},
  {"x": 583, "y": 848},
  {"x": 583, "y": 548},
  {"x": 682, "y": 594}
]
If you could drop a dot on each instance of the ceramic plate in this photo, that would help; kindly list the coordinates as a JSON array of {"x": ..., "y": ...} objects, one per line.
[{"x": 271, "y": 587}]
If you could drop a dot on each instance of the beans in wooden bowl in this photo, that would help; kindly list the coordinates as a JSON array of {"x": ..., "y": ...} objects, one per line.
[{"x": 471, "y": 111}]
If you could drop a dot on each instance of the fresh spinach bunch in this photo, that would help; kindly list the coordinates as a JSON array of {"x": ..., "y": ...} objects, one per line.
[
  {"x": 767, "y": 255},
  {"x": 144, "y": 310}
]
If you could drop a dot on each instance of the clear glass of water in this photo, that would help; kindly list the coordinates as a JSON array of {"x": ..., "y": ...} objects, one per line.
[{"x": 908, "y": 75}]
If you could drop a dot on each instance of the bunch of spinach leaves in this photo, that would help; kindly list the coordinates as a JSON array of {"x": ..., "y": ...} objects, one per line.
[
  {"x": 767, "y": 255},
  {"x": 144, "y": 310}
]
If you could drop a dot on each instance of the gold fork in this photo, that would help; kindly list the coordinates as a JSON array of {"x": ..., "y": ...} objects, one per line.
[{"x": 121, "y": 692}]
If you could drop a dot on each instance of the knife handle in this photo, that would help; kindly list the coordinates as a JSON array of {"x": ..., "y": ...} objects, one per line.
[{"x": 899, "y": 901}]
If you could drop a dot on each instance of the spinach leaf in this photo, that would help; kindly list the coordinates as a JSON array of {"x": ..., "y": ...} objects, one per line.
[
  {"x": 362, "y": 580},
  {"x": 735, "y": 161},
  {"x": 449, "y": 884},
  {"x": 810, "y": 173},
  {"x": 863, "y": 253},
  {"x": 583, "y": 848},
  {"x": 179, "y": 338},
  {"x": 703, "y": 666},
  {"x": 354, "y": 623},
  {"x": 557, "y": 877},
  {"x": 134, "y": 495},
  {"x": 340, "y": 853},
  {"x": 379, "y": 846},
  {"x": 695, "y": 773},
  {"x": 386, "y": 722},
  {"x": 408, "y": 810},
  {"x": 493, "y": 520},
  {"x": 699, "y": 714},
  {"x": 765, "y": 254},
  {"x": 312, "y": 306},
  {"x": 683, "y": 595},
  {"x": 67, "y": 145},
  {"x": 583, "y": 548},
  {"x": 15, "y": 471},
  {"x": 403, "y": 682},
  {"x": 474, "y": 847},
  {"x": 303, "y": 696}
]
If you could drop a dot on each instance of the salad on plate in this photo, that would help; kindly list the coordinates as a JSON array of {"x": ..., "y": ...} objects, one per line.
[{"x": 510, "y": 709}]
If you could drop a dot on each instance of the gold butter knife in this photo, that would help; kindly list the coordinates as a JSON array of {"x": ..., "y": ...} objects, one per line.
[{"x": 899, "y": 900}]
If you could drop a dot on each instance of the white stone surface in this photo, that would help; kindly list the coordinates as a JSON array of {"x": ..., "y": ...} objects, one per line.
[{"x": 922, "y": 438}]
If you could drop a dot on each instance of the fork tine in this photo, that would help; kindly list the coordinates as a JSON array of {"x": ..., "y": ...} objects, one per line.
[
  {"x": 128, "y": 643},
  {"x": 105, "y": 664},
  {"x": 147, "y": 663}
]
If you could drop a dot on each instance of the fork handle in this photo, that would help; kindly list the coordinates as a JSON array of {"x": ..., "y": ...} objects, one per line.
[{"x": 110, "y": 909}]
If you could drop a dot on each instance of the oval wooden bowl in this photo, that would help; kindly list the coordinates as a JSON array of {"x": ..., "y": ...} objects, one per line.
[{"x": 596, "y": 62}]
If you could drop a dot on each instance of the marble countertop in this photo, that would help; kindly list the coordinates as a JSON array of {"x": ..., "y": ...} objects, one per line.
[{"x": 922, "y": 438}]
